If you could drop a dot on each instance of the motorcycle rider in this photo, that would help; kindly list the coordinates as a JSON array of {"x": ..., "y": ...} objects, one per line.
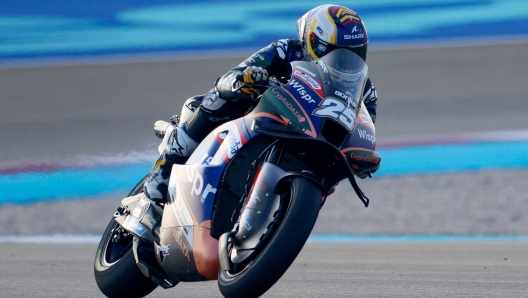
[{"x": 320, "y": 30}]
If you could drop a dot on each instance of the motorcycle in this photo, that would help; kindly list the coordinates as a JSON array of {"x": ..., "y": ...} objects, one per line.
[{"x": 244, "y": 204}]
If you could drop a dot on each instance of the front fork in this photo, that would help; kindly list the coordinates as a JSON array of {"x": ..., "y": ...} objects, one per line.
[
  {"x": 261, "y": 211},
  {"x": 141, "y": 217}
]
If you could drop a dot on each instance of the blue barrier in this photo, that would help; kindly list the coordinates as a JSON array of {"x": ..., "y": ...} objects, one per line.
[
  {"x": 453, "y": 158},
  {"x": 99, "y": 180},
  {"x": 412, "y": 238},
  {"x": 33, "y": 187},
  {"x": 45, "y": 29}
]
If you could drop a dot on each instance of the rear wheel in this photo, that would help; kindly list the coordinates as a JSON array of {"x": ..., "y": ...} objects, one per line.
[
  {"x": 115, "y": 269},
  {"x": 301, "y": 203}
]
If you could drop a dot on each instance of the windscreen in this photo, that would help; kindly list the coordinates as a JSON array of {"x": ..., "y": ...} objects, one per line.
[{"x": 348, "y": 73}]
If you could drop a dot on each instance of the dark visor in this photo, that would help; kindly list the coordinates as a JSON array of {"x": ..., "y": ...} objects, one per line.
[{"x": 322, "y": 48}]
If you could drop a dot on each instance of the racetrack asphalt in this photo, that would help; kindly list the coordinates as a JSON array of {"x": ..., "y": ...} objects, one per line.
[
  {"x": 386, "y": 269},
  {"x": 109, "y": 109}
]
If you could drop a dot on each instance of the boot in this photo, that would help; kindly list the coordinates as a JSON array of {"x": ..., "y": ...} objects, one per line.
[{"x": 179, "y": 147}]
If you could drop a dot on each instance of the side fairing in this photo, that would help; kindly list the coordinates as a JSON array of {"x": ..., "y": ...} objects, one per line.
[
  {"x": 293, "y": 103},
  {"x": 196, "y": 182},
  {"x": 190, "y": 253},
  {"x": 359, "y": 148},
  {"x": 313, "y": 97}
]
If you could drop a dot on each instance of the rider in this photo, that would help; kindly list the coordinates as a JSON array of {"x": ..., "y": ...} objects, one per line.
[{"x": 320, "y": 30}]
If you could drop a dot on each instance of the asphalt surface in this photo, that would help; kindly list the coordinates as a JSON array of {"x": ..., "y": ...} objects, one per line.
[
  {"x": 101, "y": 110},
  {"x": 389, "y": 269},
  {"x": 64, "y": 111}
]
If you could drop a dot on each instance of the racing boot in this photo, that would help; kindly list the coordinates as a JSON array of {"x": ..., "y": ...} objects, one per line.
[{"x": 179, "y": 147}]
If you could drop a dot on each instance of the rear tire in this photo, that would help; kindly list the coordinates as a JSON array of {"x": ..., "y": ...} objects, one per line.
[
  {"x": 115, "y": 269},
  {"x": 284, "y": 246}
]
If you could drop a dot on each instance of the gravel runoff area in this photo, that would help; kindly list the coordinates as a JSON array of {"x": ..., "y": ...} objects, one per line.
[{"x": 474, "y": 203}]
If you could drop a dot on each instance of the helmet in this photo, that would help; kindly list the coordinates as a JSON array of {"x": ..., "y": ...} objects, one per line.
[{"x": 328, "y": 27}]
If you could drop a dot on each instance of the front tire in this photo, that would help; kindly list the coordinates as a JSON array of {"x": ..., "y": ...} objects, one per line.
[
  {"x": 266, "y": 269},
  {"x": 115, "y": 269}
]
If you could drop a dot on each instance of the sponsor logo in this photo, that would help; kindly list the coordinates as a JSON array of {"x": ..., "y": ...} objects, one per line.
[
  {"x": 163, "y": 250},
  {"x": 216, "y": 119},
  {"x": 346, "y": 96},
  {"x": 290, "y": 107},
  {"x": 210, "y": 98},
  {"x": 248, "y": 217},
  {"x": 320, "y": 30},
  {"x": 137, "y": 212},
  {"x": 282, "y": 48},
  {"x": 198, "y": 188},
  {"x": 350, "y": 71},
  {"x": 150, "y": 219},
  {"x": 313, "y": 83},
  {"x": 364, "y": 118},
  {"x": 355, "y": 29},
  {"x": 323, "y": 66},
  {"x": 223, "y": 134},
  {"x": 349, "y": 84},
  {"x": 366, "y": 136},
  {"x": 182, "y": 213},
  {"x": 247, "y": 222},
  {"x": 181, "y": 244},
  {"x": 305, "y": 71},
  {"x": 322, "y": 48},
  {"x": 301, "y": 90},
  {"x": 374, "y": 160},
  {"x": 234, "y": 142},
  {"x": 184, "y": 221},
  {"x": 253, "y": 59},
  {"x": 135, "y": 226},
  {"x": 206, "y": 160},
  {"x": 355, "y": 36}
]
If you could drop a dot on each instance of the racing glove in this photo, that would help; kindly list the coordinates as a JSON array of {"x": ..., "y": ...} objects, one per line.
[{"x": 253, "y": 75}]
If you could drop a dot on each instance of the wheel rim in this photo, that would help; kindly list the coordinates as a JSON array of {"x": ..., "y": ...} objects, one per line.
[
  {"x": 285, "y": 200},
  {"x": 117, "y": 244}
]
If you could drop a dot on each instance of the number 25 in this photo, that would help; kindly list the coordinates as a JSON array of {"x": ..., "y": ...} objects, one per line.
[{"x": 336, "y": 109}]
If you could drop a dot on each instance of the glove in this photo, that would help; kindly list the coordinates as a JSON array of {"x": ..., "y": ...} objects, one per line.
[{"x": 253, "y": 75}]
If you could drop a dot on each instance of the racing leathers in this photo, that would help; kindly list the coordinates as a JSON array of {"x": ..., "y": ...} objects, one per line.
[{"x": 221, "y": 104}]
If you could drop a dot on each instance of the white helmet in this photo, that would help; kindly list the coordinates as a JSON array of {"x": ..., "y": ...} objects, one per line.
[{"x": 328, "y": 27}]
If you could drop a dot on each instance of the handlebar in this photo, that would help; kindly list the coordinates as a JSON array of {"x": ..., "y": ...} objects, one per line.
[{"x": 271, "y": 82}]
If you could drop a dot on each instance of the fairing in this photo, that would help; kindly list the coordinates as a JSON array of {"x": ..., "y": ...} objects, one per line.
[{"x": 321, "y": 94}]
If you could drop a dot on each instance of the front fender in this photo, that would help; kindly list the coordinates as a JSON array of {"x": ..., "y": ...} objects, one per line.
[
  {"x": 260, "y": 208},
  {"x": 298, "y": 136},
  {"x": 262, "y": 201}
]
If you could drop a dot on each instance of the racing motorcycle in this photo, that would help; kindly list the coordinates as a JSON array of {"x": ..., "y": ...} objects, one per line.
[{"x": 242, "y": 207}]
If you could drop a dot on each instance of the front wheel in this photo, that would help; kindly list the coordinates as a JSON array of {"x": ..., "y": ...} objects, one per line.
[
  {"x": 115, "y": 269},
  {"x": 301, "y": 203}
]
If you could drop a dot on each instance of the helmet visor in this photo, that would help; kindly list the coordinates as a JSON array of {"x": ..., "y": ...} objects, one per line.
[{"x": 319, "y": 47}]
